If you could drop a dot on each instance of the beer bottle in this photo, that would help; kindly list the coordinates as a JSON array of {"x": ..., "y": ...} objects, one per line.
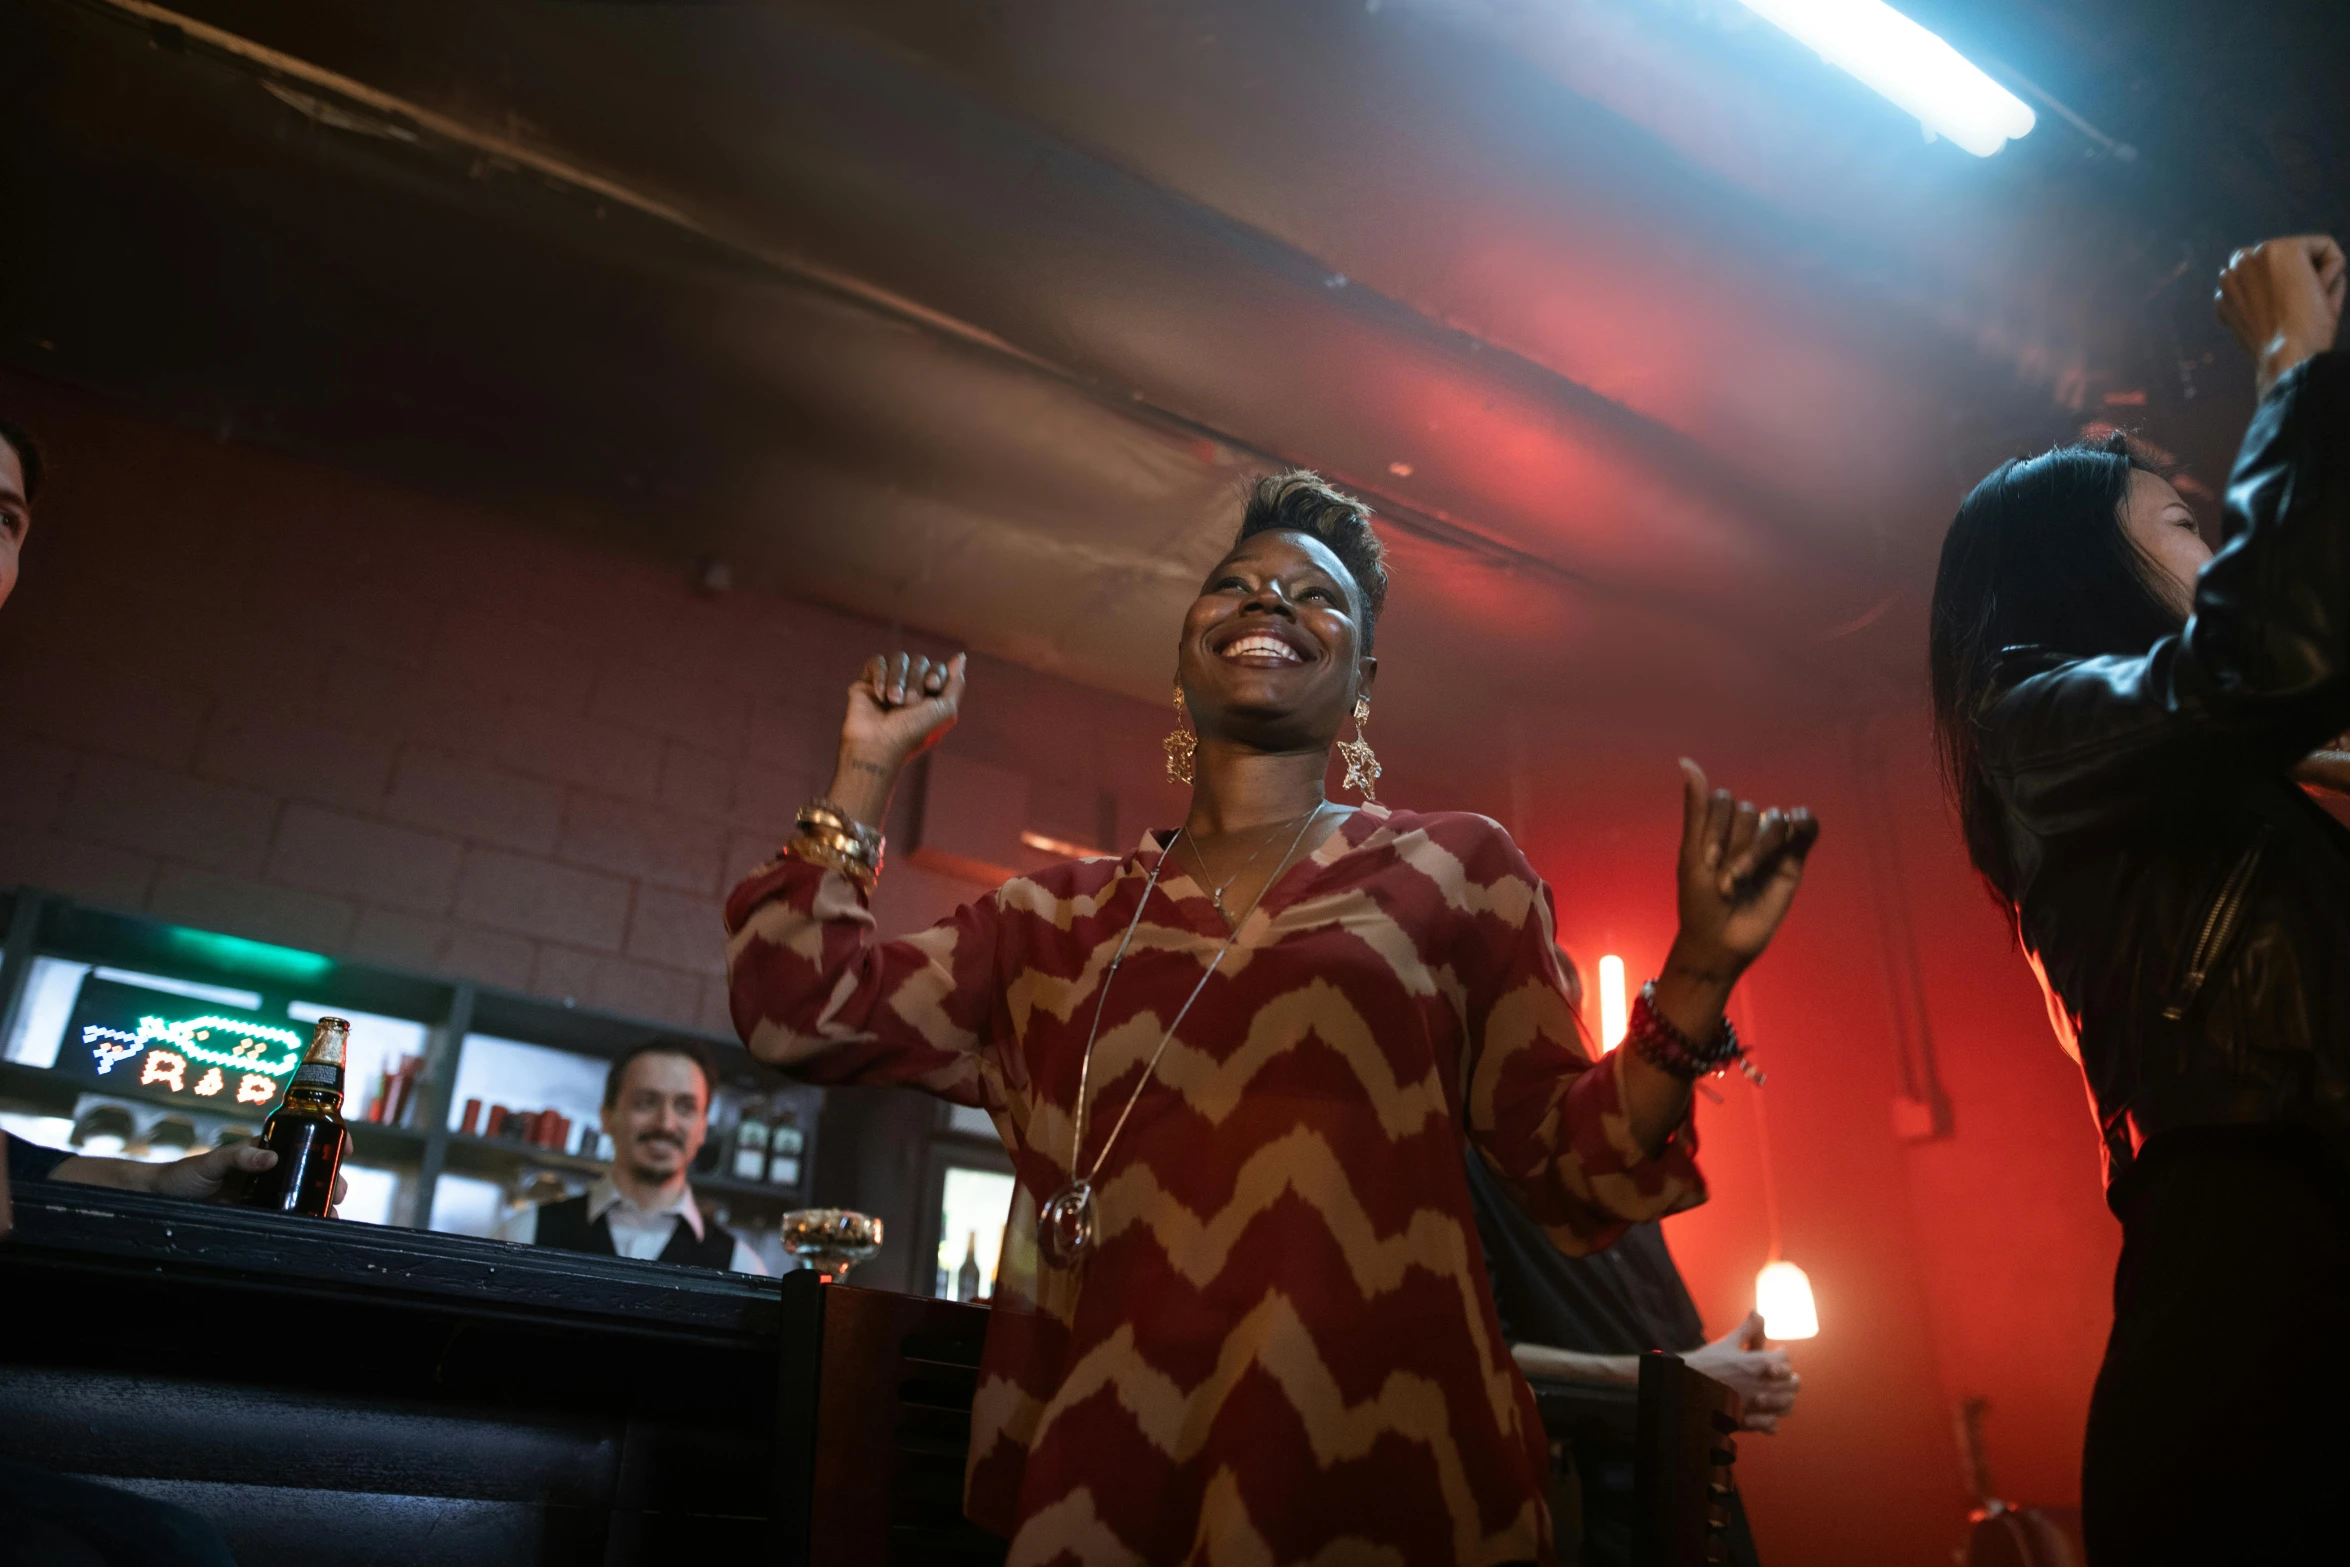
[
  {"x": 785, "y": 1143},
  {"x": 967, "y": 1277},
  {"x": 306, "y": 1131},
  {"x": 750, "y": 1142}
]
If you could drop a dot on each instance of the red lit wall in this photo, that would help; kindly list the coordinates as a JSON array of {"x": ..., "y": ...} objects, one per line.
[{"x": 1976, "y": 1264}]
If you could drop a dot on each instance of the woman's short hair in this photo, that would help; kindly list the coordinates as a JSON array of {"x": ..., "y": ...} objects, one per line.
[
  {"x": 665, "y": 1045},
  {"x": 2039, "y": 555},
  {"x": 1302, "y": 502},
  {"x": 28, "y": 455}
]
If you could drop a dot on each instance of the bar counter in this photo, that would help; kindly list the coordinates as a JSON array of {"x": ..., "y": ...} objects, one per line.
[
  {"x": 338, "y": 1393},
  {"x": 348, "y": 1395}
]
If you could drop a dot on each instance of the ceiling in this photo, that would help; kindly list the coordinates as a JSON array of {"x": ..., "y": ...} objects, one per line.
[{"x": 1663, "y": 349}]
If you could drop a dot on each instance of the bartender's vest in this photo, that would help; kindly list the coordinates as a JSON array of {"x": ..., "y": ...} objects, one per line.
[{"x": 565, "y": 1224}]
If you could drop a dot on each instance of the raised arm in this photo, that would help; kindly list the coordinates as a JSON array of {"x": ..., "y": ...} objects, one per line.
[
  {"x": 1587, "y": 1148},
  {"x": 2260, "y": 677},
  {"x": 811, "y": 988},
  {"x": 1735, "y": 879}
]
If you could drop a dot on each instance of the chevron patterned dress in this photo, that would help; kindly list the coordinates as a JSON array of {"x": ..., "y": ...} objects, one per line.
[{"x": 1281, "y": 1348}]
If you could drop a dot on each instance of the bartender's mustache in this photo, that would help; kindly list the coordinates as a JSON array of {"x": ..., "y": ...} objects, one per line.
[{"x": 671, "y": 1138}]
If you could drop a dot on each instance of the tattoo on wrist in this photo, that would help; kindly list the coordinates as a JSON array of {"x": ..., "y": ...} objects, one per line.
[{"x": 859, "y": 765}]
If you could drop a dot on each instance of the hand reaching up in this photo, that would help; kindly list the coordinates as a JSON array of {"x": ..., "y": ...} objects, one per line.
[
  {"x": 900, "y": 705},
  {"x": 1739, "y": 871},
  {"x": 2283, "y": 300}
]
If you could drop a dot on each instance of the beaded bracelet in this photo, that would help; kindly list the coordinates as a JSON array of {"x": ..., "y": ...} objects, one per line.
[{"x": 1654, "y": 1038}]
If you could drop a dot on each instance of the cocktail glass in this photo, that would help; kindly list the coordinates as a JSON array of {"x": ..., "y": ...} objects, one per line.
[{"x": 831, "y": 1240}]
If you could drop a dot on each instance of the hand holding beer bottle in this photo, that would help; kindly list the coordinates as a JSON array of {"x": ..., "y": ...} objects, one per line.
[
  {"x": 305, "y": 1132},
  {"x": 217, "y": 1175}
]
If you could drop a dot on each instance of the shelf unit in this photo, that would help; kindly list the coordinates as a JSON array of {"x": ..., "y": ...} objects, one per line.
[{"x": 43, "y": 924}]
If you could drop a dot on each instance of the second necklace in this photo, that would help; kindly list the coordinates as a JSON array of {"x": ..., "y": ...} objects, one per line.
[{"x": 1065, "y": 1225}]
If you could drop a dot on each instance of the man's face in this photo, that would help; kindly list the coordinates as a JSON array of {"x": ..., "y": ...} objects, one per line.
[
  {"x": 658, "y": 1120},
  {"x": 16, "y": 516}
]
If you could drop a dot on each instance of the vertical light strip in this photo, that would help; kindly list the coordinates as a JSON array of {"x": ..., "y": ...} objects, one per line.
[
  {"x": 1614, "y": 1016},
  {"x": 1894, "y": 56}
]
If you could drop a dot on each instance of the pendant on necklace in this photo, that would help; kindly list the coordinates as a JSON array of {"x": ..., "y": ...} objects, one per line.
[{"x": 1064, "y": 1229}]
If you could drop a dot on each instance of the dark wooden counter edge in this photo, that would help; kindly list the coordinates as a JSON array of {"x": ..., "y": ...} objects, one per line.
[{"x": 59, "y": 1224}]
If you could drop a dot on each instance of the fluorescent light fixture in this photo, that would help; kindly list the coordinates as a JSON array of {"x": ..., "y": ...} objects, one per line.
[
  {"x": 1911, "y": 66},
  {"x": 1613, "y": 1015},
  {"x": 1783, "y": 1295}
]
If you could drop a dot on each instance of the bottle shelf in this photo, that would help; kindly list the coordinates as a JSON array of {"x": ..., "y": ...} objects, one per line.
[
  {"x": 497, "y": 1153},
  {"x": 45, "y": 928},
  {"x": 765, "y": 1191},
  {"x": 375, "y": 1143}
]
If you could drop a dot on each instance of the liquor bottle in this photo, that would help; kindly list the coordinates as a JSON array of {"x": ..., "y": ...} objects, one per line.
[
  {"x": 306, "y": 1131},
  {"x": 967, "y": 1276},
  {"x": 785, "y": 1143},
  {"x": 750, "y": 1142}
]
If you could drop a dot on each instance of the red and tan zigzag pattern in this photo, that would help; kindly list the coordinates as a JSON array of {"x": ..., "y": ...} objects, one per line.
[{"x": 1281, "y": 1349}]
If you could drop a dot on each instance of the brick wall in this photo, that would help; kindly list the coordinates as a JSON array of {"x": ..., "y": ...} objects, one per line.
[{"x": 253, "y": 696}]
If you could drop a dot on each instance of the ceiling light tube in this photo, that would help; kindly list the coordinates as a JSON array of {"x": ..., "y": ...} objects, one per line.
[{"x": 1914, "y": 68}]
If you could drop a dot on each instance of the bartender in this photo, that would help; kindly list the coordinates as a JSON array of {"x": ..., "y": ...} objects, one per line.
[{"x": 657, "y": 1113}]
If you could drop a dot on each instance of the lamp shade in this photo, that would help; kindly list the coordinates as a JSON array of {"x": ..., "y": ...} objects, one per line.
[{"x": 1783, "y": 1295}]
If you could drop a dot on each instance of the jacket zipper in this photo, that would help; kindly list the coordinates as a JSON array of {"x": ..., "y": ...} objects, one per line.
[{"x": 2218, "y": 925}]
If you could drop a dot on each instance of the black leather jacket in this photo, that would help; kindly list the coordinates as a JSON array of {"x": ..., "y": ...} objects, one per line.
[{"x": 2186, "y": 906}]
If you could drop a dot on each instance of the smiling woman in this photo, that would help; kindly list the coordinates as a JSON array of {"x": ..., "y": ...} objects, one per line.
[{"x": 1239, "y": 1312}]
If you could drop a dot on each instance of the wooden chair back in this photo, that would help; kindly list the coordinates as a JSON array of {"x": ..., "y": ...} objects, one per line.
[
  {"x": 874, "y": 1414},
  {"x": 1684, "y": 1448}
]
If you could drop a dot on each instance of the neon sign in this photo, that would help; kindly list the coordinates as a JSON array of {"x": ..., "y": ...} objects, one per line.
[
  {"x": 196, "y": 1039},
  {"x": 128, "y": 1042}
]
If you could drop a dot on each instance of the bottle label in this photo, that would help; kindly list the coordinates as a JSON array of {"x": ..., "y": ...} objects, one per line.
[
  {"x": 785, "y": 1171},
  {"x": 748, "y": 1163},
  {"x": 325, "y": 1074}
]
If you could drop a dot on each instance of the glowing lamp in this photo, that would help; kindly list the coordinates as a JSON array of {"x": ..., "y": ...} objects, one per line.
[
  {"x": 1783, "y": 1295},
  {"x": 1612, "y": 1012},
  {"x": 1905, "y": 63}
]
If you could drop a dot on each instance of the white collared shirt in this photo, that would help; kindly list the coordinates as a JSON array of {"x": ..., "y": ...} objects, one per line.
[{"x": 642, "y": 1233}]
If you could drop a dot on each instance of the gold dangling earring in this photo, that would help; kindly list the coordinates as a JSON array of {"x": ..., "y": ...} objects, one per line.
[
  {"x": 1181, "y": 744},
  {"x": 1362, "y": 766}
]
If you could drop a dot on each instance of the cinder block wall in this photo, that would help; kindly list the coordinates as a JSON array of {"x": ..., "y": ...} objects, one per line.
[{"x": 251, "y": 695}]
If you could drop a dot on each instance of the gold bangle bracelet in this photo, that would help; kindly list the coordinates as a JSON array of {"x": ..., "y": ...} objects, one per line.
[
  {"x": 823, "y": 813},
  {"x": 842, "y": 843},
  {"x": 826, "y": 857}
]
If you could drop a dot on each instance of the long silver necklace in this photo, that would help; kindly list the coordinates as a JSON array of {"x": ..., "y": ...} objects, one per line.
[{"x": 1065, "y": 1225}]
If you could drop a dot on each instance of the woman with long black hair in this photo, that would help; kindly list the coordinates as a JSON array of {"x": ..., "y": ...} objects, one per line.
[{"x": 2121, "y": 713}]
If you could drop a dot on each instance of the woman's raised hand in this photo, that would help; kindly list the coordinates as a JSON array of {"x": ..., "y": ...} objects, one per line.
[
  {"x": 2283, "y": 300},
  {"x": 899, "y": 706},
  {"x": 1739, "y": 870}
]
